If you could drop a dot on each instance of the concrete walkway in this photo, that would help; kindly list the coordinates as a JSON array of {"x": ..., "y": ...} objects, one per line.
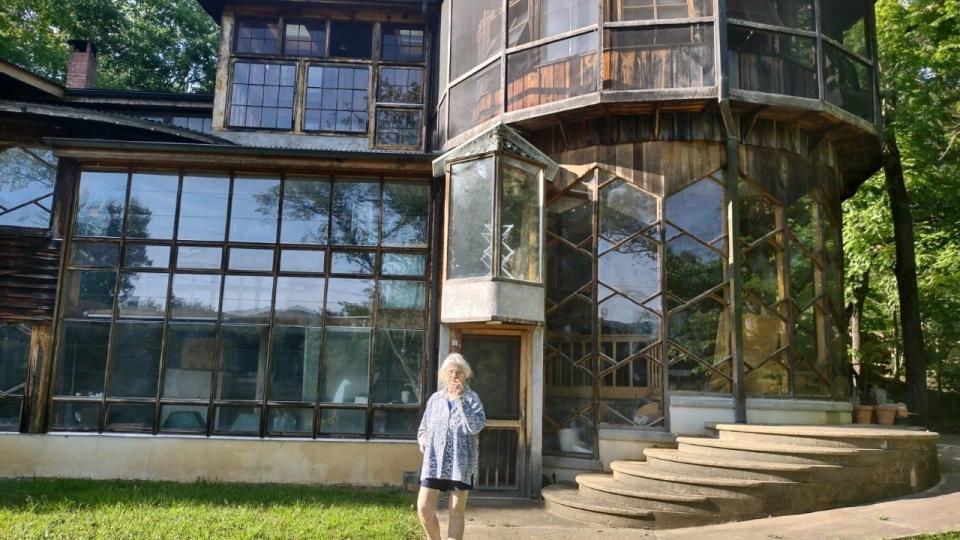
[{"x": 935, "y": 510}]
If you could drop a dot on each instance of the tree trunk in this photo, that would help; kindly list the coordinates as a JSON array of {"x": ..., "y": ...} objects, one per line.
[
  {"x": 856, "y": 319},
  {"x": 905, "y": 270}
]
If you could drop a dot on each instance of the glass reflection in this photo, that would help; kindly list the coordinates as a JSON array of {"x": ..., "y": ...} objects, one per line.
[
  {"x": 83, "y": 359},
  {"x": 350, "y": 301},
  {"x": 100, "y": 203},
  {"x": 142, "y": 295},
  {"x": 102, "y": 254},
  {"x": 299, "y": 301},
  {"x": 136, "y": 359},
  {"x": 406, "y": 208},
  {"x": 254, "y": 210},
  {"x": 691, "y": 267},
  {"x": 152, "y": 205},
  {"x": 356, "y": 211},
  {"x": 698, "y": 210},
  {"x": 520, "y": 221},
  {"x": 203, "y": 208},
  {"x": 346, "y": 354},
  {"x": 397, "y": 360},
  {"x": 201, "y": 258},
  {"x": 470, "y": 243},
  {"x": 89, "y": 293},
  {"x": 353, "y": 262},
  {"x": 144, "y": 256},
  {"x": 632, "y": 269},
  {"x": 306, "y": 211},
  {"x": 247, "y": 298},
  {"x": 301, "y": 260},
  {"x": 260, "y": 260},
  {"x": 403, "y": 264},
  {"x": 195, "y": 296},
  {"x": 625, "y": 210}
]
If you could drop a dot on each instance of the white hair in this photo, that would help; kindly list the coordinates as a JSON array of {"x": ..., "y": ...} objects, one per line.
[{"x": 455, "y": 359}]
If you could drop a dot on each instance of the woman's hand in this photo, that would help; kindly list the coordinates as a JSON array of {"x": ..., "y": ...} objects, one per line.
[{"x": 455, "y": 388}]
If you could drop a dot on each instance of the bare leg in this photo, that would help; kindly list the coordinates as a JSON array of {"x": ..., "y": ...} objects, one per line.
[
  {"x": 458, "y": 508},
  {"x": 427, "y": 510}
]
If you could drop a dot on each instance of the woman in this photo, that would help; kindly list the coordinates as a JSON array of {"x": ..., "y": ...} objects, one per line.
[{"x": 448, "y": 440}]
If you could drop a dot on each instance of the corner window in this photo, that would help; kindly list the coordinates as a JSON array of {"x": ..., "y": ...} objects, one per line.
[
  {"x": 26, "y": 187},
  {"x": 257, "y": 36},
  {"x": 336, "y": 99},
  {"x": 262, "y": 95}
]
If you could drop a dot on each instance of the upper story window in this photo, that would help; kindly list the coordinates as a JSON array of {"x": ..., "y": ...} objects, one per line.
[
  {"x": 329, "y": 77},
  {"x": 257, "y": 36},
  {"x": 26, "y": 187}
]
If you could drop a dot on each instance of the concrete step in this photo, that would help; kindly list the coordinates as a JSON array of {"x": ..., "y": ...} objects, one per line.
[
  {"x": 673, "y": 462},
  {"x": 568, "y": 502},
  {"x": 846, "y": 436},
  {"x": 781, "y": 453},
  {"x": 625, "y": 470},
  {"x": 603, "y": 487}
]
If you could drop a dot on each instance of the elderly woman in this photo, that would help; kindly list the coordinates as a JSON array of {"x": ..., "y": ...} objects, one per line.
[{"x": 448, "y": 437}]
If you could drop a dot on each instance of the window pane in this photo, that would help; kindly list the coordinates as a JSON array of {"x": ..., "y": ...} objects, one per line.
[
  {"x": 475, "y": 100},
  {"x": 402, "y": 304},
  {"x": 305, "y": 39},
  {"x": 153, "y": 203},
  {"x": 294, "y": 366},
  {"x": 89, "y": 293},
  {"x": 144, "y": 256},
  {"x": 520, "y": 221},
  {"x": 237, "y": 420},
  {"x": 789, "y": 13},
  {"x": 83, "y": 358},
  {"x": 301, "y": 260},
  {"x": 251, "y": 259},
  {"x": 356, "y": 211},
  {"x": 396, "y": 366},
  {"x": 102, "y": 254},
  {"x": 190, "y": 354},
  {"x": 29, "y": 175},
  {"x": 395, "y": 422},
  {"x": 299, "y": 301},
  {"x": 262, "y": 95},
  {"x": 136, "y": 359},
  {"x": 400, "y": 85},
  {"x": 476, "y": 34},
  {"x": 775, "y": 63},
  {"x": 651, "y": 10},
  {"x": 845, "y": 21},
  {"x": 189, "y": 418},
  {"x": 659, "y": 57},
  {"x": 848, "y": 82},
  {"x": 142, "y": 295},
  {"x": 85, "y": 416},
  {"x": 306, "y": 211},
  {"x": 130, "y": 416},
  {"x": 288, "y": 421},
  {"x": 14, "y": 357},
  {"x": 195, "y": 296},
  {"x": 344, "y": 421},
  {"x": 398, "y": 127},
  {"x": 101, "y": 202},
  {"x": 247, "y": 298},
  {"x": 203, "y": 208},
  {"x": 351, "y": 39},
  {"x": 552, "y": 72},
  {"x": 349, "y": 301},
  {"x": 530, "y": 20},
  {"x": 257, "y": 36},
  {"x": 471, "y": 219},
  {"x": 353, "y": 262},
  {"x": 243, "y": 359},
  {"x": 345, "y": 365},
  {"x": 336, "y": 99},
  {"x": 402, "y": 44},
  {"x": 199, "y": 257},
  {"x": 403, "y": 264},
  {"x": 254, "y": 210},
  {"x": 10, "y": 415}
]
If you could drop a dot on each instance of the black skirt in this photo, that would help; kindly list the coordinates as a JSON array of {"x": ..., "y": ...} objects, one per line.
[{"x": 445, "y": 485}]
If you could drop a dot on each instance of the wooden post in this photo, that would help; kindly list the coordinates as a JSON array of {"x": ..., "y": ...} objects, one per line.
[{"x": 38, "y": 378}]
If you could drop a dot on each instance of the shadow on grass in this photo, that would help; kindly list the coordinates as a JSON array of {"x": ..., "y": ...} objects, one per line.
[{"x": 40, "y": 495}]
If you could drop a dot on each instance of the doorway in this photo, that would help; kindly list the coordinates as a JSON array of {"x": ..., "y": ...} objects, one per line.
[{"x": 499, "y": 361}]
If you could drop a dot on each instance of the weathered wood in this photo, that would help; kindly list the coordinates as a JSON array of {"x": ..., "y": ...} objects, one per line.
[
  {"x": 38, "y": 377},
  {"x": 28, "y": 276}
]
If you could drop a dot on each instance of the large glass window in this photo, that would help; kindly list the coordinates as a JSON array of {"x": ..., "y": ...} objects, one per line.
[
  {"x": 401, "y": 43},
  {"x": 531, "y": 20},
  {"x": 305, "y": 39},
  {"x": 257, "y": 36},
  {"x": 262, "y": 95},
  {"x": 475, "y": 34},
  {"x": 470, "y": 235},
  {"x": 26, "y": 187},
  {"x": 770, "y": 62},
  {"x": 14, "y": 359},
  {"x": 225, "y": 324},
  {"x": 551, "y": 72},
  {"x": 659, "y": 57},
  {"x": 337, "y": 99}
]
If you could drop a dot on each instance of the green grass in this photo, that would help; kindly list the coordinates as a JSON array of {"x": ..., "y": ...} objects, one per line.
[{"x": 80, "y": 509}]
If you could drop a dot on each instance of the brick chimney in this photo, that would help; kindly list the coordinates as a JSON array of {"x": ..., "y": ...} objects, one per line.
[{"x": 82, "y": 65}]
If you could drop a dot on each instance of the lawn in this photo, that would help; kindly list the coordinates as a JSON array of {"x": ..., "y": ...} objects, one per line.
[{"x": 80, "y": 509}]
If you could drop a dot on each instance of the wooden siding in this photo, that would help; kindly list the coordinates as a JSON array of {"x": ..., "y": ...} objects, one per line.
[{"x": 28, "y": 276}]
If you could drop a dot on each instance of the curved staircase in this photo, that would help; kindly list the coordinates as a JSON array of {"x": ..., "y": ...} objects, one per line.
[{"x": 752, "y": 471}]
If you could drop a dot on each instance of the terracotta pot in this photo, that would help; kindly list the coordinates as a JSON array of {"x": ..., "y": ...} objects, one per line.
[
  {"x": 886, "y": 414},
  {"x": 863, "y": 414}
]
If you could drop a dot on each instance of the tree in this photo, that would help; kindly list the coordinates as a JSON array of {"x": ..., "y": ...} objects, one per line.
[{"x": 154, "y": 45}]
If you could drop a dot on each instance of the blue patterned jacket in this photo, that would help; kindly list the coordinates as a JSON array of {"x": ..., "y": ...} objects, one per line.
[{"x": 449, "y": 437}]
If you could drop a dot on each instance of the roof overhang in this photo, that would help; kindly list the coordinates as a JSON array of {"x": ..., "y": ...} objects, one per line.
[{"x": 214, "y": 8}]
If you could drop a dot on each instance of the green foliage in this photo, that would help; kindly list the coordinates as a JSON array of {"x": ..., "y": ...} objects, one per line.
[
  {"x": 36, "y": 508},
  {"x": 152, "y": 45},
  {"x": 919, "y": 53}
]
